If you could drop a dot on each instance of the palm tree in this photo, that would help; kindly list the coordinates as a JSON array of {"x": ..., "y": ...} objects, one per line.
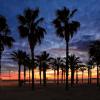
[
  {"x": 18, "y": 56},
  {"x": 58, "y": 62},
  {"x": 77, "y": 69},
  {"x": 29, "y": 65},
  {"x": 39, "y": 61},
  {"x": 63, "y": 69},
  {"x": 45, "y": 58},
  {"x": 82, "y": 69},
  {"x": 53, "y": 67},
  {"x": 65, "y": 28},
  {"x": 94, "y": 53},
  {"x": 73, "y": 61},
  {"x": 25, "y": 63},
  {"x": 90, "y": 66},
  {"x": 30, "y": 28},
  {"x": 5, "y": 39}
]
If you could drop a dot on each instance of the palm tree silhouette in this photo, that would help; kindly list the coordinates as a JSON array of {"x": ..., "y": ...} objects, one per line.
[
  {"x": 39, "y": 62},
  {"x": 5, "y": 39},
  {"x": 62, "y": 66},
  {"x": 53, "y": 67},
  {"x": 25, "y": 63},
  {"x": 90, "y": 66},
  {"x": 18, "y": 56},
  {"x": 30, "y": 27},
  {"x": 45, "y": 60},
  {"x": 94, "y": 53},
  {"x": 58, "y": 62},
  {"x": 82, "y": 69},
  {"x": 29, "y": 65},
  {"x": 77, "y": 70},
  {"x": 65, "y": 28},
  {"x": 73, "y": 61}
]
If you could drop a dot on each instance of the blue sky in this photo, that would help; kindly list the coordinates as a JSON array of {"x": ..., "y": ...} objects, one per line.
[{"x": 88, "y": 15}]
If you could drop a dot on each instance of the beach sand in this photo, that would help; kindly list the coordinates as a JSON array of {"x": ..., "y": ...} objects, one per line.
[{"x": 50, "y": 92}]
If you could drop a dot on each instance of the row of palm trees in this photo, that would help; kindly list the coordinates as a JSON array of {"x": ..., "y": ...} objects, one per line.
[
  {"x": 31, "y": 27},
  {"x": 94, "y": 55},
  {"x": 44, "y": 62}
]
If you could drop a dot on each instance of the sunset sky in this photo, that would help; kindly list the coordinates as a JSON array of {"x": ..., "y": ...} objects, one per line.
[{"x": 88, "y": 15}]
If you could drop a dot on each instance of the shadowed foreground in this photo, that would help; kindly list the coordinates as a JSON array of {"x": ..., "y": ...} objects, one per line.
[{"x": 52, "y": 92}]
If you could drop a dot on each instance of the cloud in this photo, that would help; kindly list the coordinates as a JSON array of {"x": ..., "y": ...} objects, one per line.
[{"x": 88, "y": 15}]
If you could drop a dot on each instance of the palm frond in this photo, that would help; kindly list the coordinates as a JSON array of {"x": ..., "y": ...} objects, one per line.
[{"x": 23, "y": 31}]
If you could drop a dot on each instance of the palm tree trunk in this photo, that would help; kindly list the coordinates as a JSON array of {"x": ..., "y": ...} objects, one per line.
[
  {"x": 44, "y": 74},
  {"x": 32, "y": 55},
  {"x": 97, "y": 75},
  {"x": 40, "y": 73},
  {"x": 19, "y": 76},
  {"x": 88, "y": 76},
  {"x": 76, "y": 76},
  {"x": 82, "y": 76},
  {"x": 0, "y": 65},
  {"x": 24, "y": 74},
  {"x": 62, "y": 75},
  {"x": 54, "y": 76},
  {"x": 29, "y": 76},
  {"x": 67, "y": 66},
  {"x": 72, "y": 77},
  {"x": 57, "y": 74}
]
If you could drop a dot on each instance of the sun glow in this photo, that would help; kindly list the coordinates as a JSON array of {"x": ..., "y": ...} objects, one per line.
[{"x": 13, "y": 75}]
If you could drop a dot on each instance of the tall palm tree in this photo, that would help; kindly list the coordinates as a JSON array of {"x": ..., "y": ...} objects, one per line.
[
  {"x": 30, "y": 28},
  {"x": 94, "y": 53},
  {"x": 65, "y": 28},
  {"x": 18, "y": 56},
  {"x": 73, "y": 61},
  {"x": 5, "y": 39}
]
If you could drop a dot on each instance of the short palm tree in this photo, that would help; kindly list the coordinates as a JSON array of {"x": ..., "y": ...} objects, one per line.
[
  {"x": 18, "y": 56},
  {"x": 65, "y": 28},
  {"x": 25, "y": 63},
  {"x": 90, "y": 66},
  {"x": 45, "y": 60},
  {"x": 39, "y": 62},
  {"x": 94, "y": 53},
  {"x": 62, "y": 66},
  {"x": 29, "y": 65},
  {"x": 73, "y": 62},
  {"x": 58, "y": 62},
  {"x": 53, "y": 67},
  {"x": 5, "y": 39},
  {"x": 77, "y": 70},
  {"x": 30, "y": 28},
  {"x": 82, "y": 69}
]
